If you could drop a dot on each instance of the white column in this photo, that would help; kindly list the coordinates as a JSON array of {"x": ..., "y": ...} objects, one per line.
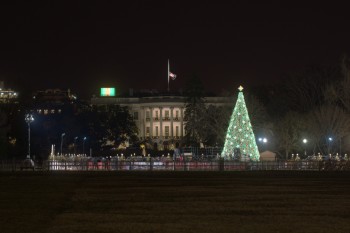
[
  {"x": 182, "y": 122},
  {"x": 161, "y": 123},
  {"x": 151, "y": 123},
  {"x": 143, "y": 122},
  {"x": 171, "y": 123}
]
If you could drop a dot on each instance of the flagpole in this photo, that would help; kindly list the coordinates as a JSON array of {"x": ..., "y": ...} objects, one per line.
[{"x": 168, "y": 74}]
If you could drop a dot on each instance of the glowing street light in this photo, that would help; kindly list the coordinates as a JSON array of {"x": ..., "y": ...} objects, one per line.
[
  {"x": 263, "y": 140},
  {"x": 305, "y": 141},
  {"x": 329, "y": 144},
  {"x": 29, "y": 119}
]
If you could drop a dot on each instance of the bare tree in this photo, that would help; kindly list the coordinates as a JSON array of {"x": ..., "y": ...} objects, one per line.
[
  {"x": 289, "y": 131},
  {"x": 215, "y": 124},
  {"x": 306, "y": 89},
  {"x": 328, "y": 121},
  {"x": 258, "y": 115},
  {"x": 339, "y": 92}
]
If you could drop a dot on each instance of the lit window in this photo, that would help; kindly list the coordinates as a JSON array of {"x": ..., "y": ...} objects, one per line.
[
  {"x": 166, "y": 131},
  {"x": 46, "y": 112},
  {"x": 147, "y": 131}
]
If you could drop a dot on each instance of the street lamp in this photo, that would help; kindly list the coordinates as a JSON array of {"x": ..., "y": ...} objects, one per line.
[
  {"x": 75, "y": 145},
  {"x": 305, "y": 141},
  {"x": 84, "y": 145},
  {"x": 263, "y": 141},
  {"x": 62, "y": 135},
  {"x": 329, "y": 144},
  {"x": 29, "y": 119}
]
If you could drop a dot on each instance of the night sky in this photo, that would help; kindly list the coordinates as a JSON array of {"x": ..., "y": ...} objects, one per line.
[{"x": 85, "y": 46}]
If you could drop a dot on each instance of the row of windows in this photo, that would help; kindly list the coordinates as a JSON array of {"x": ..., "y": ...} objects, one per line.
[
  {"x": 8, "y": 94},
  {"x": 164, "y": 119},
  {"x": 48, "y": 111},
  {"x": 148, "y": 114},
  {"x": 166, "y": 131}
]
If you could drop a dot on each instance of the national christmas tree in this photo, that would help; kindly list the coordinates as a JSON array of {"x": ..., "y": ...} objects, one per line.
[{"x": 240, "y": 137}]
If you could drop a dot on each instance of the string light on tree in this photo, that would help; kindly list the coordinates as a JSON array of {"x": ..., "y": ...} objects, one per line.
[{"x": 240, "y": 132}]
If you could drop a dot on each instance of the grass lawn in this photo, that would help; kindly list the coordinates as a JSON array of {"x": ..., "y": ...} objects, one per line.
[{"x": 266, "y": 201}]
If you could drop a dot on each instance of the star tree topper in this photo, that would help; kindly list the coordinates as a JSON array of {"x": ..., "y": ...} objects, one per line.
[{"x": 240, "y": 88}]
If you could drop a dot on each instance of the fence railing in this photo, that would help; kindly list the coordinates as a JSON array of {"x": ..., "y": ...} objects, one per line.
[{"x": 168, "y": 165}]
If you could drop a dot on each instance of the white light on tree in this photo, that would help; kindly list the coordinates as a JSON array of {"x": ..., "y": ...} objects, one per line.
[{"x": 240, "y": 119}]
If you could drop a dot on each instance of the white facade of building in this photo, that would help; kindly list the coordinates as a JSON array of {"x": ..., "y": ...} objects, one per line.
[{"x": 160, "y": 118}]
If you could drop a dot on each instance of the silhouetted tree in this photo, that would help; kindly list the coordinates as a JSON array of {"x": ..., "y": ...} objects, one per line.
[
  {"x": 112, "y": 125},
  {"x": 338, "y": 93},
  {"x": 195, "y": 111},
  {"x": 289, "y": 132},
  {"x": 215, "y": 124},
  {"x": 328, "y": 121},
  {"x": 302, "y": 91}
]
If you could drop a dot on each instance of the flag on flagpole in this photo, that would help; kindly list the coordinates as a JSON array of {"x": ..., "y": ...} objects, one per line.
[{"x": 172, "y": 76}]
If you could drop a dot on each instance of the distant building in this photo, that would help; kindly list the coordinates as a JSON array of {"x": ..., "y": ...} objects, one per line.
[
  {"x": 7, "y": 95},
  {"x": 158, "y": 117},
  {"x": 53, "y": 101},
  {"x": 267, "y": 156}
]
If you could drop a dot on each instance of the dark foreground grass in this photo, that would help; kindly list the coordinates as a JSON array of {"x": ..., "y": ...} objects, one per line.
[{"x": 175, "y": 202}]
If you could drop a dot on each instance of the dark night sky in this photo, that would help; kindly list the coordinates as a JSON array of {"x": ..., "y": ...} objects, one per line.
[{"x": 85, "y": 46}]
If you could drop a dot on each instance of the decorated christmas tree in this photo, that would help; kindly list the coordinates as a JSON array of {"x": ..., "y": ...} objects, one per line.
[{"x": 240, "y": 139}]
